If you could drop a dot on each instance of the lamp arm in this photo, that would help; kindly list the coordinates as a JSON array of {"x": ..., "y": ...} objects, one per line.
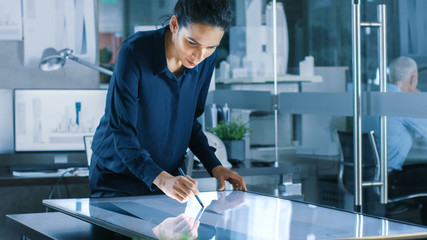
[{"x": 101, "y": 69}]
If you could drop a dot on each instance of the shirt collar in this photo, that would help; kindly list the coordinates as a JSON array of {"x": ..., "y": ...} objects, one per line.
[
  {"x": 393, "y": 88},
  {"x": 160, "y": 64}
]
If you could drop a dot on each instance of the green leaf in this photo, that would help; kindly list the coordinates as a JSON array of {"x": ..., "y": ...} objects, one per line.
[{"x": 233, "y": 130}]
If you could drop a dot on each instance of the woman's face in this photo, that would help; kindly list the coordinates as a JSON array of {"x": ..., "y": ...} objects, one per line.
[{"x": 195, "y": 42}]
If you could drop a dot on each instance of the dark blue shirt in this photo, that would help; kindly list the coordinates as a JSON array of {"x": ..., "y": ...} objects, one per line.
[{"x": 150, "y": 119}]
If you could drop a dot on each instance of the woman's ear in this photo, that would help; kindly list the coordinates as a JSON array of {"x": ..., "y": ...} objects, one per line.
[{"x": 173, "y": 24}]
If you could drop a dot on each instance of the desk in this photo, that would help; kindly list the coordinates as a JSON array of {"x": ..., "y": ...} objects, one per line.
[
  {"x": 24, "y": 195},
  {"x": 417, "y": 154},
  {"x": 6, "y": 179},
  {"x": 253, "y": 171},
  {"x": 230, "y": 215},
  {"x": 55, "y": 225},
  {"x": 9, "y": 180}
]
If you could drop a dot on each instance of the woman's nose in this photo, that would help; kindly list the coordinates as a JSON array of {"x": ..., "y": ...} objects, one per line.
[{"x": 199, "y": 55}]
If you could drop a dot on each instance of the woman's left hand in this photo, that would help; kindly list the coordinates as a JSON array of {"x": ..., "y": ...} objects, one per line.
[{"x": 224, "y": 174}]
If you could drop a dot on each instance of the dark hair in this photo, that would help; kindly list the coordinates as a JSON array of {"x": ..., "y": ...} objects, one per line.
[{"x": 213, "y": 12}]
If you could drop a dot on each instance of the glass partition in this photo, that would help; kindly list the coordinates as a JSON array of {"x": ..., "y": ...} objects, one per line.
[{"x": 400, "y": 141}]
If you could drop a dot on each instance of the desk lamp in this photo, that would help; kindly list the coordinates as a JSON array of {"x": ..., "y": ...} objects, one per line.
[{"x": 53, "y": 60}]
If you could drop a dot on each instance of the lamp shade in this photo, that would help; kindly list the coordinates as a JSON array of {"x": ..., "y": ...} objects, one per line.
[{"x": 51, "y": 60}]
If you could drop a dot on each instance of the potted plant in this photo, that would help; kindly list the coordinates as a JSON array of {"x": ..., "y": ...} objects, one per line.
[{"x": 232, "y": 133}]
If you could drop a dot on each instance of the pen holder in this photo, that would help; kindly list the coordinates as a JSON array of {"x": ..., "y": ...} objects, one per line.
[{"x": 235, "y": 150}]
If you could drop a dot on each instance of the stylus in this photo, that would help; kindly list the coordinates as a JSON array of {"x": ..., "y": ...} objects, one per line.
[
  {"x": 197, "y": 197},
  {"x": 199, "y": 215}
]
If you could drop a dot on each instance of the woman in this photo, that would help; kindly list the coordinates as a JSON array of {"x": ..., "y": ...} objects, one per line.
[{"x": 157, "y": 92}]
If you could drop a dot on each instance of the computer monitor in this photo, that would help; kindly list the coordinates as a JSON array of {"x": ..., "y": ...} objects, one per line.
[{"x": 56, "y": 120}]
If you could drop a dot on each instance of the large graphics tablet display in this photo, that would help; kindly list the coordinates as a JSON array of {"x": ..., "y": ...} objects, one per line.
[
  {"x": 228, "y": 215},
  {"x": 56, "y": 119}
]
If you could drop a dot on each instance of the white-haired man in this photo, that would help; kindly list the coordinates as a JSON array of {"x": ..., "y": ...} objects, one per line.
[
  {"x": 402, "y": 132},
  {"x": 403, "y": 73}
]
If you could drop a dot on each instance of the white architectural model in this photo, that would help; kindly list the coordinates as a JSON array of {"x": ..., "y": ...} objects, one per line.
[{"x": 251, "y": 46}]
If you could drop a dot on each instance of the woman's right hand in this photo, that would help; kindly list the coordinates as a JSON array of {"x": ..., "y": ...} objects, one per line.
[
  {"x": 181, "y": 227},
  {"x": 179, "y": 188}
]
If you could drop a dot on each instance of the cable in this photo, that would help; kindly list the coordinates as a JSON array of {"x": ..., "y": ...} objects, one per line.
[{"x": 55, "y": 186}]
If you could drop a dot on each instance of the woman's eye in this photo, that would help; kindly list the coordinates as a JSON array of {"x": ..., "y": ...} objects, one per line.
[{"x": 191, "y": 43}]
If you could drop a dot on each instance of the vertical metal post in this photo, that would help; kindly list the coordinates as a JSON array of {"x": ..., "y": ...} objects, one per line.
[
  {"x": 383, "y": 88},
  {"x": 276, "y": 129},
  {"x": 357, "y": 107}
]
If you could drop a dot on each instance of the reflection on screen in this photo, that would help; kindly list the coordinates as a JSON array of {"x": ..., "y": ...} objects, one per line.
[{"x": 56, "y": 120}]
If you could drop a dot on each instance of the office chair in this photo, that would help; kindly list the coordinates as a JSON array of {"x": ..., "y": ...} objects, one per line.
[
  {"x": 371, "y": 170},
  {"x": 370, "y": 164}
]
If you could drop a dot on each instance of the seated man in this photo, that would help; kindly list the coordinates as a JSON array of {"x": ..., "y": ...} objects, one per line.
[{"x": 401, "y": 133}]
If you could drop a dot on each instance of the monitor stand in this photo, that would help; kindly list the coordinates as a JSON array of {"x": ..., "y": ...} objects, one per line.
[{"x": 60, "y": 158}]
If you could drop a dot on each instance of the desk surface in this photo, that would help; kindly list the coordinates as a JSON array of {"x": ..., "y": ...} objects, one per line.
[
  {"x": 417, "y": 155},
  {"x": 229, "y": 215},
  {"x": 7, "y": 179},
  {"x": 244, "y": 170}
]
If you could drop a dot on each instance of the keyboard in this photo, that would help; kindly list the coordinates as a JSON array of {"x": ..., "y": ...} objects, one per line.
[
  {"x": 66, "y": 172},
  {"x": 45, "y": 167}
]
